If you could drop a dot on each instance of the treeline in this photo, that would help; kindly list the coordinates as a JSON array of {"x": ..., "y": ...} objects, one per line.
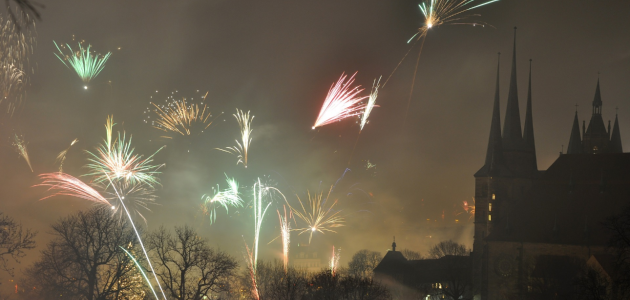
[{"x": 96, "y": 256}]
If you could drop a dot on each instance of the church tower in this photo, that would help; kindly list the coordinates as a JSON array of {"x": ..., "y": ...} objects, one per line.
[
  {"x": 595, "y": 139},
  {"x": 507, "y": 174}
]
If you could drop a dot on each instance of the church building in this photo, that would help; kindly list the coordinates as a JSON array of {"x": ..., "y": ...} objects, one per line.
[
  {"x": 528, "y": 220},
  {"x": 534, "y": 230}
]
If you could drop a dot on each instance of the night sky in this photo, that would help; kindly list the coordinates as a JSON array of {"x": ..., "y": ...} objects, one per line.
[{"x": 278, "y": 59}]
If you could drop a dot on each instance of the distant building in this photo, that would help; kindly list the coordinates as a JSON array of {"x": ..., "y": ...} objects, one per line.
[
  {"x": 307, "y": 258},
  {"x": 426, "y": 278},
  {"x": 535, "y": 229}
]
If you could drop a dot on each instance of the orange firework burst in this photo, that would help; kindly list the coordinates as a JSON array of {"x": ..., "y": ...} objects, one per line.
[{"x": 317, "y": 217}]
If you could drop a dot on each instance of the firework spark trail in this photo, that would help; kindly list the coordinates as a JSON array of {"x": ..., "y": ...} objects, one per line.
[
  {"x": 84, "y": 63},
  {"x": 260, "y": 209},
  {"x": 251, "y": 266},
  {"x": 182, "y": 118},
  {"x": 371, "y": 102},
  {"x": 67, "y": 185},
  {"x": 225, "y": 198},
  {"x": 136, "y": 195},
  {"x": 16, "y": 45},
  {"x": 318, "y": 218},
  {"x": 61, "y": 157},
  {"x": 122, "y": 203},
  {"x": 341, "y": 102},
  {"x": 141, "y": 271},
  {"x": 116, "y": 160},
  {"x": 436, "y": 13},
  {"x": 242, "y": 148},
  {"x": 366, "y": 113},
  {"x": 20, "y": 146},
  {"x": 285, "y": 234},
  {"x": 334, "y": 260}
]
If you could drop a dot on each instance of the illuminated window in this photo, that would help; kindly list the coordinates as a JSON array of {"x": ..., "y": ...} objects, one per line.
[
  {"x": 489, "y": 217},
  {"x": 493, "y": 197},
  {"x": 489, "y": 206}
]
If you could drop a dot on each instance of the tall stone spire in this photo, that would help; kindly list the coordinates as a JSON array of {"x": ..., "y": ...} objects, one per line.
[
  {"x": 575, "y": 142},
  {"x": 596, "y": 138},
  {"x": 528, "y": 134},
  {"x": 494, "y": 154},
  {"x": 615, "y": 139},
  {"x": 512, "y": 134},
  {"x": 597, "y": 100}
]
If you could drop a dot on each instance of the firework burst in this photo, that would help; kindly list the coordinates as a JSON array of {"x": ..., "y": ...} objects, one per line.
[
  {"x": 440, "y": 12},
  {"x": 469, "y": 208},
  {"x": 242, "y": 148},
  {"x": 371, "y": 102},
  {"x": 181, "y": 117},
  {"x": 61, "y": 157},
  {"x": 16, "y": 45},
  {"x": 87, "y": 65},
  {"x": 115, "y": 159},
  {"x": 317, "y": 217},
  {"x": 137, "y": 196},
  {"x": 341, "y": 102},
  {"x": 437, "y": 13},
  {"x": 20, "y": 147},
  {"x": 225, "y": 198},
  {"x": 67, "y": 185}
]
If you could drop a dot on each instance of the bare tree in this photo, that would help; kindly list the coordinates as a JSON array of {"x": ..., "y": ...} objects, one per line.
[
  {"x": 411, "y": 255},
  {"x": 363, "y": 263},
  {"x": 449, "y": 247},
  {"x": 188, "y": 268},
  {"x": 85, "y": 261},
  {"x": 274, "y": 283},
  {"x": 13, "y": 241}
]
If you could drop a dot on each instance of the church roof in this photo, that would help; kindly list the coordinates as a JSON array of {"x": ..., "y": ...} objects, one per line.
[
  {"x": 568, "y": 204},
  {"x": 413, "y": 272}
]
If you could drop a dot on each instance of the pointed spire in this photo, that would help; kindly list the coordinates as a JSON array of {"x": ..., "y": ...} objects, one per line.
[
  {"x": 512, "y": 134},
  {"x": 528, "y": 134},
  {"x": 494, "y": 154},
  {"x": 597, "y": 100},
  {"x": 575, "y": 141},
  {"x": 615, "y": 139}
]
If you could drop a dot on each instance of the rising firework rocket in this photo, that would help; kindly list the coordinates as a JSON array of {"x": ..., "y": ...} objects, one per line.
[
  {"x": 285, "y": 235},
  {"x": 334, "y": 260},
  {"x": 61, "y": 157}
]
